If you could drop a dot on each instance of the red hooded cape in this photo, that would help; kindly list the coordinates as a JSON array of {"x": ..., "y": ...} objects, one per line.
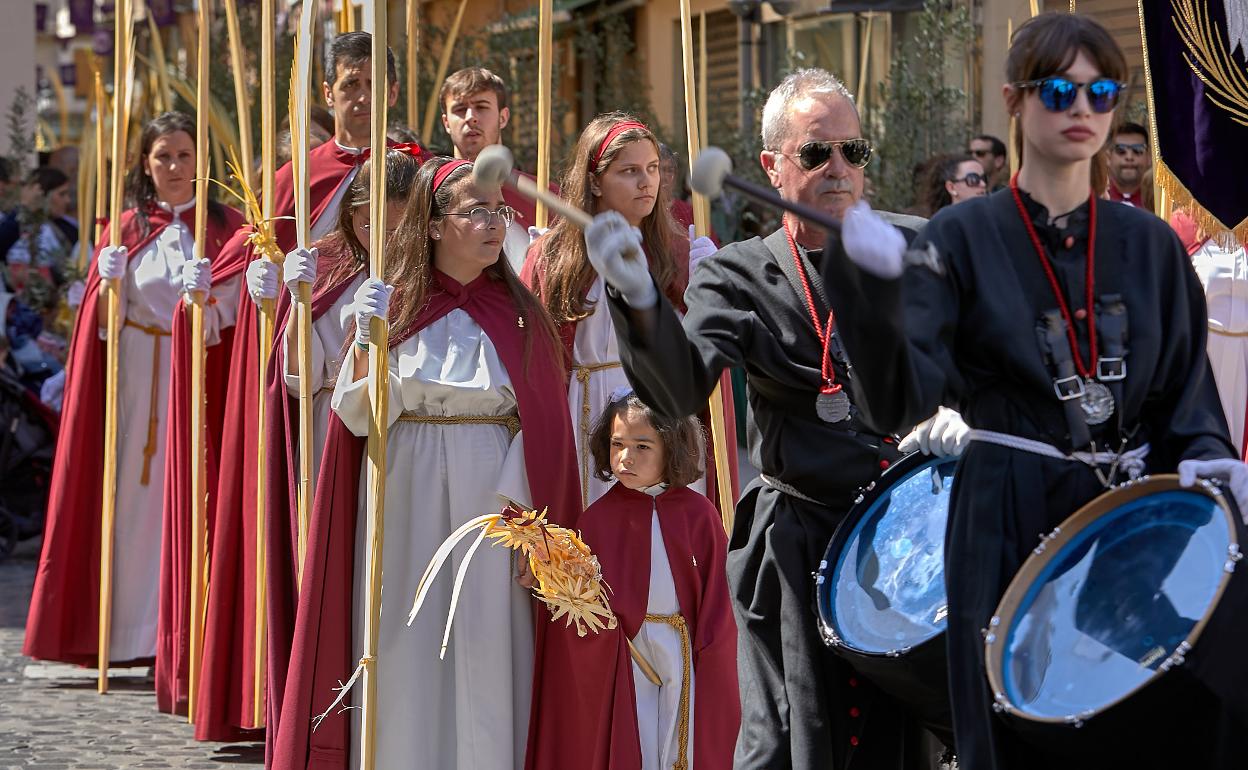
[
  {"x": 321, "y": 652},
  {"x": 587, "y": 717},
  {"x": 532, "y": 274},
  {"x": 226, "y": 705},
  {"x": 64, "y": 610}
]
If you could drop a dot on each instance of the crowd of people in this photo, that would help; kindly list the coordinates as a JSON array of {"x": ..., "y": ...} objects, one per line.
[{"x": 570, "y": 371}]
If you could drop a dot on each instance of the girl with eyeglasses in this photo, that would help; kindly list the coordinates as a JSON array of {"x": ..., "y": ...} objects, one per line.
[
  {"x": 954, "y": 179},
  {"x": 1070, "y": 331},
  {"x": 615, "y": 167},
  {"x": 476, "y": 414}
]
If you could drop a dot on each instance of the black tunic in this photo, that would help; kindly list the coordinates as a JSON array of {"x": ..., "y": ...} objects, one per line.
[
  {"x": 967, "y": 338},
  {"x": 801, "y": 706}
]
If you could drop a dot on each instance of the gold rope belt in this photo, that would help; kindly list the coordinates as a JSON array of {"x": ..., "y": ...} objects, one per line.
[
  {"x": 1223, "y": 333},
  {"x": 677, "y": 621},
  {"x": 509, "y": 421},
  {"x": 583, "y": 372},
  {"x": 149, "y": 449}
]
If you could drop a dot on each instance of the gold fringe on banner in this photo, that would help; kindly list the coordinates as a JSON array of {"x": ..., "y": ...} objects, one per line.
[{"x": 1226, "y": 236}]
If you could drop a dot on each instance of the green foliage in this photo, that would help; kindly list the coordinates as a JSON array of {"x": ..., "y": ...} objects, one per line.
[
  {"x": 20, "y": 122},
  {"x": 922, "y": 115}
]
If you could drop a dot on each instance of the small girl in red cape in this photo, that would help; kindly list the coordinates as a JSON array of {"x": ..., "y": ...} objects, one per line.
[{"x": 659, "y": 691}]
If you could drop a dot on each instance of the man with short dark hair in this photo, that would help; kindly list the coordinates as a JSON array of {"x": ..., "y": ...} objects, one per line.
[
  {"x": 1128, "y": 159},
  {"x": 990, "y": 151}
]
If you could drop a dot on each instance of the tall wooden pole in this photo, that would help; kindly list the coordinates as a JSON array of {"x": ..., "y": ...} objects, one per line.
[
  {"x": 545, "y": 45},
  {"x": 413, "y": 65},
  {"x": 265, "y": 322},
  {"x": 122, "y": 61},
  {"x": 444, "y": 62},
  {"x": 379, "y": 388},
  {"x": 199, "y": 458},
  {"x": 242, "y": 100},
  {"x": 701, "y": 217},
  {"x": 101, "y": 157},
  {"x": 1011, "y": 148},
  {"x": 703, "y": 112}
]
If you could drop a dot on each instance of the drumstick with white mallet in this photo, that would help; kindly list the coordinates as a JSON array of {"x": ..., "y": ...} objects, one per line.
[
  {"x": 493, "y": 167},
  {"x": 712, "y": 172}
]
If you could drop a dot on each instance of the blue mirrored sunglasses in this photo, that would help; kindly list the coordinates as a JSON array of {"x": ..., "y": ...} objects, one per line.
[{"x": 1058, "y": 93}]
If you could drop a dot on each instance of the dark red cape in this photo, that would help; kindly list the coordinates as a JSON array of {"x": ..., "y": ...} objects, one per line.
[
  {"x": 172, "y": 628},
  {"x": 226, "y": 702},
  {"x": 321, "y": 652},
  {"x": 64, "y": 611},
  {"x": 585, "y": 717},
  {"x": 533, "y": 271}
]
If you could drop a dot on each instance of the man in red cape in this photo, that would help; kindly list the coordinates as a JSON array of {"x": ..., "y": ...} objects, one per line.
[
  {"x": 64, "y": 610},
  {"x": 587, "y": 718},
  {"x": 321, "y": 653},
  {"x": 226, "y": 708}
]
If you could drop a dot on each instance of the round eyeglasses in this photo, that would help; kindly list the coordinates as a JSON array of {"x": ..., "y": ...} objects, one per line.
[{"x": 480, "y": 217}]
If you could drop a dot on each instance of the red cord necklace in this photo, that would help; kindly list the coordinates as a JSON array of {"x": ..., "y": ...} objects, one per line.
[{"x": 832, "y": 403}]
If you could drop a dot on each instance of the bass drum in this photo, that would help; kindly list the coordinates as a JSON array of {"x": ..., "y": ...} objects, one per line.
[
  {"x": 880, "y": 588},
  {"x": 1130, "y": 610}
]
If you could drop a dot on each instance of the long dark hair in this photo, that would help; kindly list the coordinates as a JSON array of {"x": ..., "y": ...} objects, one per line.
[
  {"x": 941, "y": 169},
  {"x": 567, "y": 274},
  {"x": 140, "y": 191},
  {"x": 409, "y": 267},
  {"x": 1047, "y": 45}
]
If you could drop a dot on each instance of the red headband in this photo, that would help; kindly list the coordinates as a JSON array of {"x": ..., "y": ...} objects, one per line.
[
  {"x": 445, "y": 170},
  {"x": 616, "y": 130}
]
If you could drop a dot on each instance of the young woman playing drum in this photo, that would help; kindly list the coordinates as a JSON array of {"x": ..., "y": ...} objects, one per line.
[{"x": 1070, "y": 331}]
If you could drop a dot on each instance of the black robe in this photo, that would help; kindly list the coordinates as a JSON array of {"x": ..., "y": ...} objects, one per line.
[
  {"x": 966, "y": 337},
  {"x": 802, "y": 707}
]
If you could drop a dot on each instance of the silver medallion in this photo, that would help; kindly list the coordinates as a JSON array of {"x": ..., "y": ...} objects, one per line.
[
  {"x": 1097, "y": 402},
  {"x": 832, "y": 406}
]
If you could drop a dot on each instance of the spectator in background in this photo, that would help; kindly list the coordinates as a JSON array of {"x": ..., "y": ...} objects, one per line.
[
  {"x": 952, "y": 179},
  {"x": 990, "y": 152},
  {"x": 1128, "y": 160},
  {"x": 38, "y": 233}
]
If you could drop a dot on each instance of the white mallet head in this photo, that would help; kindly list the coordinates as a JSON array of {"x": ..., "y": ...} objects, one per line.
[
  {"x": 709, "y": 170},
  {"x": 492, "y": 166}
]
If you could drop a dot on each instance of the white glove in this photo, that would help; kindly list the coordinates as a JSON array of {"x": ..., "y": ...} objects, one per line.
[
  {"x": 75, "y": 293},
  {"x": 299, "y": 267},
  {"x": 873, "y": 244},
  {"x": 371, "y": 299},
  {"x": 111, "y": 264},
  {"x": 196, "y": 276},
  {"x": 536, "y": 232},
  {"x": 1232, "y": 473},
  {"x": 614, "y": 249},
  {"x": 262, "y": 279},
  {"x": 944, "y": 434},
  {"x": 700, "y": 247}
]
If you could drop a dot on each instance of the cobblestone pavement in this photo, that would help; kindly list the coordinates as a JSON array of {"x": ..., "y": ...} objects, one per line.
[{"x": 51, "y": 717}]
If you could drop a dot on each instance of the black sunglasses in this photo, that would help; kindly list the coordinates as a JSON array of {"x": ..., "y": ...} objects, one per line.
[
  {"x": 972, "y": 180},
  {"x": 1058, "y": 93},
  {"x": 1137, "y": 148},
  {"x": 812, "y": 155}
]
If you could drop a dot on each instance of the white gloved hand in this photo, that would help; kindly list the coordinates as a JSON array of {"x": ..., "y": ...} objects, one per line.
[
  {"x": 196, "y": 276},
  {"x": 536, "y": 232},
  {"x": 262, "y": 279},
  {"x": 75, "y": 293},
  {"x": 1232, "y": 473},
  {"x": 700, "y": 247},
  {"x": 299, "y": 267},
  {"x": 372, "y": 299},
  {"x": 873, "y": 244},
  {"x": 111, "y": 264},
  {"x": 614, "y": 249},
  {"x": 944, "y": 434}
]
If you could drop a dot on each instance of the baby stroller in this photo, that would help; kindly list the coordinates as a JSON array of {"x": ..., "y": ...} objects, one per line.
[{"x": 27, "y": 445}]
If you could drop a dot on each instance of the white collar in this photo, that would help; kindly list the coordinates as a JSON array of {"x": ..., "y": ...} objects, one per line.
[
  {"x": 654, "y": 490},
  {"x": 176, "y": 210},
  {"x": 349, "y": 150}
]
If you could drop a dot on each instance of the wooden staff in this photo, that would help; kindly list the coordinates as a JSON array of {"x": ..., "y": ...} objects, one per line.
[
  {"x": 265, "y": 321},
  {"x": 1011, "y": 149},
  {"x": 545, "y": 44},
  {"x": 444, "y": 61},
  {"x": 703, "y": 133},
  {"x": 199, "y": 458},
  {"x": 863, "y": 65},
  {"x": 303, "y": 299},
  {"x": 241, "y": 100},
  {"x": 379, "y": 388},
  {"x": 161, "y": 65},
  {"x": 101, "y": 156},
  {"x": 89, "y": 168},
  {"x": 413, "y": 68},
  {"x": 701, "y": 211},
  {"x": 112, "y": 353},
  {"x": 346, "y": 18}
]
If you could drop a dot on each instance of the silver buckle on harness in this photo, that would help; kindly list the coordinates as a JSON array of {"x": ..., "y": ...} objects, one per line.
[
  {"x": 1068, "y": 388},
  {"x": 1111, "y": 369}
]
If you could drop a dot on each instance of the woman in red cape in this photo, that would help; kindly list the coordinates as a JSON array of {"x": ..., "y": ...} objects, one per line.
[
  {"x": 615, "y": 167},
  {"x": 154, "y": 263},
  {"x": 473, "y": 358}
]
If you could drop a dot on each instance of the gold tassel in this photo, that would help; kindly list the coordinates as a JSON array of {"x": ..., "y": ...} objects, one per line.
[{"x": 1179, "y": 197}]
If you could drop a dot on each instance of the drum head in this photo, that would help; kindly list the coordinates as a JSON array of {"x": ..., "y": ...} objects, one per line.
[
  {"x": 1113, "y": 599},
  {"x": 883, "y": 590}
]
